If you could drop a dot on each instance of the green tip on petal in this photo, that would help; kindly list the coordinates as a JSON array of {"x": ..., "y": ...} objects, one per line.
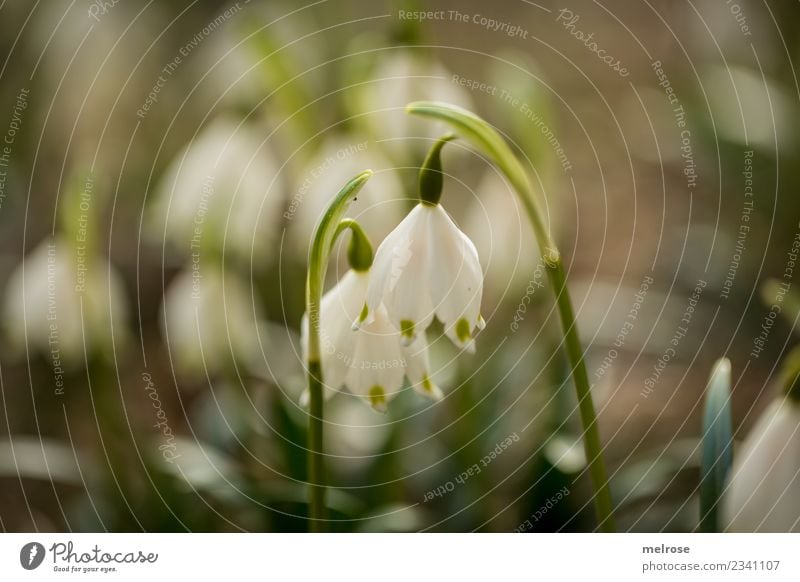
[
  {"x": 430, "y": 389},
  {"x": 463, "y": 331},
  {"x": 377, "y": 398},
  {"x": 407, "y": 330},
  {"x": 361, "y": 317},
  {"x": 464, "y": 335},
  {"x": 481, "y": 322}
]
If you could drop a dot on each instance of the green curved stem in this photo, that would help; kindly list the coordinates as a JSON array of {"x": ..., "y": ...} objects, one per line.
[
  {"x": 324, "y": 237},
  {"x": 431, "y": 177},
  {"x": 481, "y": 134}
]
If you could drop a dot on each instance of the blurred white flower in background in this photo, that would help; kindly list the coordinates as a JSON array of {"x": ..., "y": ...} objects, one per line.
[
  {"x": 224, "y": 186},
  {"x": 57, "y": 302},
  {"x": 502, "y": 235},
  {"x": 763, "y": 492},
  {"x": 373, "y": 360},
  {"x": 397, "y": 79},
  {"x": 428, "y": 267},
  {"x": 381, "y": 203},
  {"x": 210, "y": 321},
  {"x": 749, "y": 108}
]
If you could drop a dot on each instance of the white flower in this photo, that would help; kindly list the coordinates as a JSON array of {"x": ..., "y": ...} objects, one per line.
[
  {"x": 58, "y": 301},
  {"x": 763, "y": 492},
  {"x": 210, "y": 321},
  {"x": 399, "y": 78},
  {"x": 500, "y": 230},
  {"x": 223, "y": 187},
  {"x": 370, "y": 361},
  {"x": 428, "y": 267}
]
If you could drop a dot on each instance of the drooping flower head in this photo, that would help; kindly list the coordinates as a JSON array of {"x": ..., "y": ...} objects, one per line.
[
  {"x": 223, "y": 189},
  {"x": 209, "y": 321},
  {"x": 428, "y": 267},
  {"x": 65, "y": 298},
  {"x": 371, "y": 361},
  {"x": 50, "y": 309}
]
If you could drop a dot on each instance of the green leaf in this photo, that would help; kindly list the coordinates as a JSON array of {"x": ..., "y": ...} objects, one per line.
[{"x": 717, "y": 444}]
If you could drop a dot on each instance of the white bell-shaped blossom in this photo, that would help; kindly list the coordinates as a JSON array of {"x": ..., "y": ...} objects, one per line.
[
  {"x": 763, "y": 491},
  {"x": 210, "y": 321},
  {"x": 427, "y": 267},
  {"x": 371, "y": 361},
  {"x": 58, "y": 302},
  {"x": 224, "y": 187}
]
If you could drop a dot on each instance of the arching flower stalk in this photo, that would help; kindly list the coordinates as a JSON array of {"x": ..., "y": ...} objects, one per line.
[
  {"x": 324, "y": 236},
  {"x": 482, "y": 135}
]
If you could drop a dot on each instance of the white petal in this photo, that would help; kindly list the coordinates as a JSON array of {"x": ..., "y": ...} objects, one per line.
[
  {"x": 377, "y": 362},
  {"x": 455, "y": 277},
  {"x": 398, "y": 275},
  {"x": 418, "y": 369},
  {"x": 763, "y": 492},
  {"x": 338, "y": 308}
]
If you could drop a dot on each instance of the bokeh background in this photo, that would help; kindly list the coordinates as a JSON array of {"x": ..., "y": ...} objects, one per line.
[{"x": 163, "y": 165}]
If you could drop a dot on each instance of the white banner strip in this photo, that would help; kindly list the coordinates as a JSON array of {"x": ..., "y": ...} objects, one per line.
[{"x": 401, "y": 557}]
